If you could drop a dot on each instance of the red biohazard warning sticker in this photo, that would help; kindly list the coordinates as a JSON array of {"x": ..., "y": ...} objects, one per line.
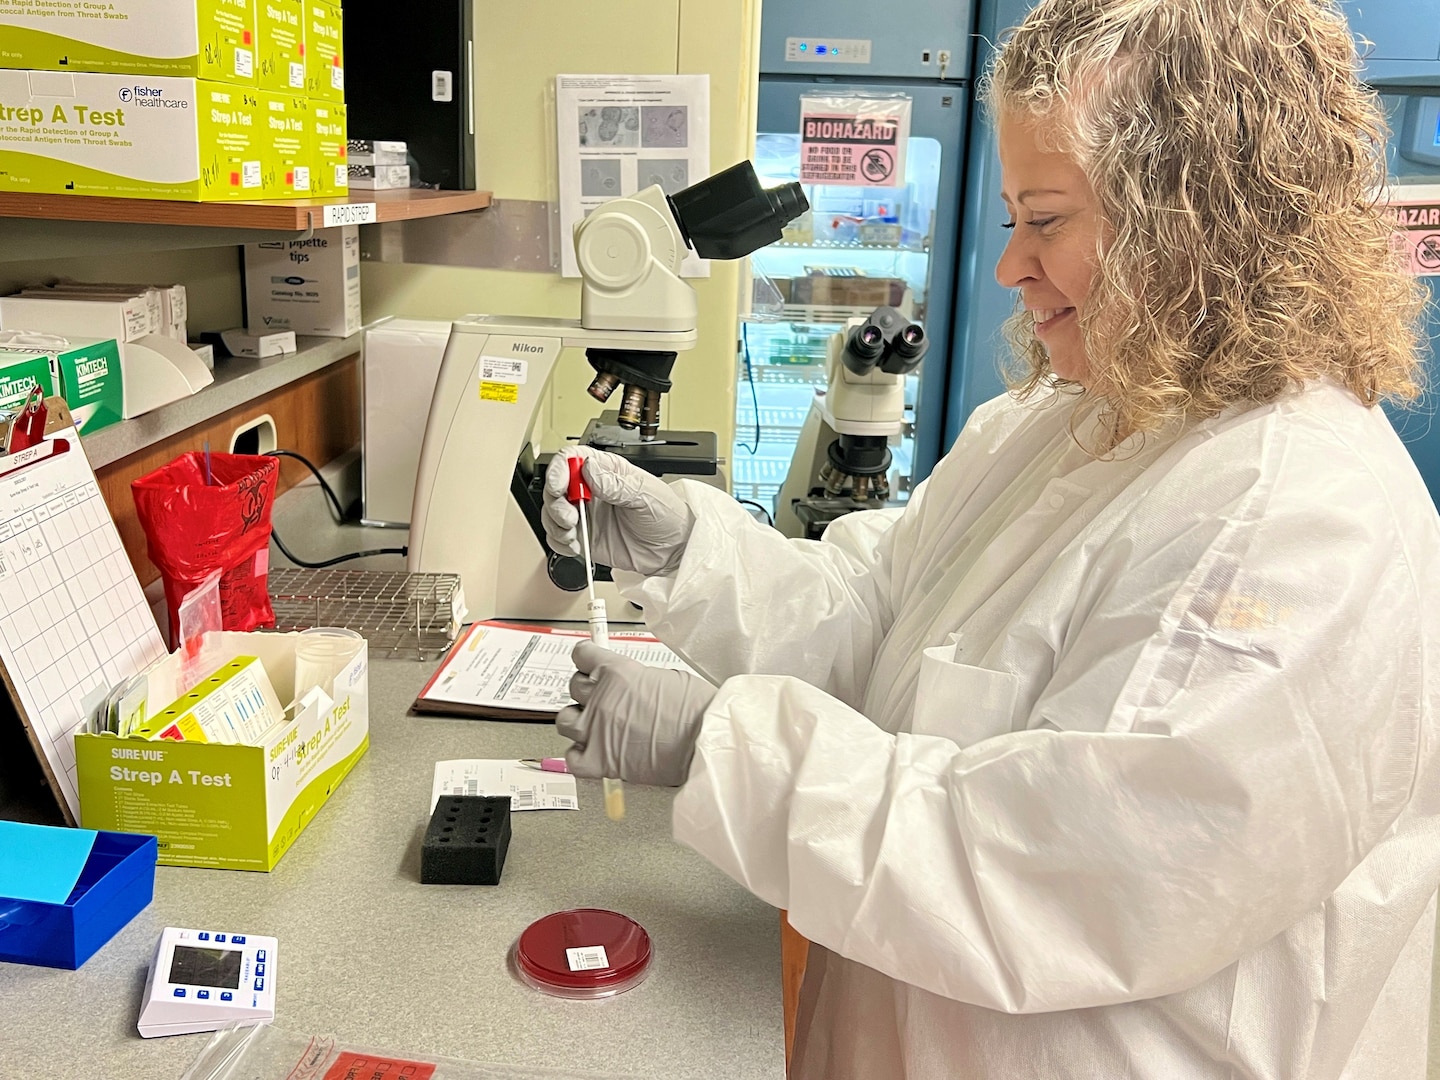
[{"x": 1417, "y": 235}]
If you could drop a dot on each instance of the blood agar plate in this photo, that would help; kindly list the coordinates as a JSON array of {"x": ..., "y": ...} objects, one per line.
[{"x": 584, "y": 953}]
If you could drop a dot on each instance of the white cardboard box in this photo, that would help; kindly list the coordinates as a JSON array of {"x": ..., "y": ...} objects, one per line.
[
  {"x": 401, "y": 359},
  {"x": 308, "y": 286},
  {"x": 157, "y": 369}
]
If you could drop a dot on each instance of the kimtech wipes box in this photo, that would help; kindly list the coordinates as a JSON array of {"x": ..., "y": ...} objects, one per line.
[
  {"x": 228, "y": 806},
  {"x": 87, "y": 373},
  {"x": 21, "y": 369},
  {"x": 308, "y": 286},
  {"x": 202, "y": 39},
  {"x": 146, "y": 138}
]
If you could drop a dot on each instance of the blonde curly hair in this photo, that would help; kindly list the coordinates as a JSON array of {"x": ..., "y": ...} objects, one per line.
[{"x": 1238, "y": 165}]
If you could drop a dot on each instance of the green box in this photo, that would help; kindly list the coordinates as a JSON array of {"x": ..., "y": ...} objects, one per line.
[
  {"x": 280, "y": 45},
  {"x": 21, "y": 369},
  {"x": 329, "y": 177},
  {"x": 201, "y": 39},
  {"x": 288, "y": 158},
  {"x": 86, "y": 373},
  {"x": 226, "y": 806},
  {"x": 118, "y": 135},
  {"x": 325, "y": 50},
  {"x": 92, "y": 384}
]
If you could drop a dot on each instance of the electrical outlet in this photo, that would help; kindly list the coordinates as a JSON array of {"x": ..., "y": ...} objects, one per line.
[{"x": 255, "y": 436}]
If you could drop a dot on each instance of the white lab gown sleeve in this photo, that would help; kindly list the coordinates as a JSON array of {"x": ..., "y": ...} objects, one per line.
[
  {"x": 1231, "y": 723},
  {"x": 815, "y": 610}
]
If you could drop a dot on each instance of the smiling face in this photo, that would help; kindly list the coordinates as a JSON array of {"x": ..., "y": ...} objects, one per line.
[{"x": 1051, "y": 254}]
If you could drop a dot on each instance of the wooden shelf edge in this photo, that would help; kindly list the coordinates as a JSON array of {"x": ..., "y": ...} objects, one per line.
[
  {"x": 238, "y": 381},
  {"x": 289, "y": 215}
]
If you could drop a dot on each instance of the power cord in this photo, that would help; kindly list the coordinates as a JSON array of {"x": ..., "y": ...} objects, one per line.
[
  {"x": 751, "y": 502},
  {"x": 754, "y": 396},
  {"x": 334, "y": 502}
]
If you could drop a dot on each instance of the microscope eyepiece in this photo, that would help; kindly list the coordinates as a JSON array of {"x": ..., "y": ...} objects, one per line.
[
  {"x": 911, "y": 342},
  {"x": 867, "y": 342},
  {"x": 730, "y": 215}
]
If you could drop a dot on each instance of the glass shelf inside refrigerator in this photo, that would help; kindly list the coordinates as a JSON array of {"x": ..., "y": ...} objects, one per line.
[{"x": 857, "y": 249}]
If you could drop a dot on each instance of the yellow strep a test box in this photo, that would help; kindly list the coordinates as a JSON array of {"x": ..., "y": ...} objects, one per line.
[
  {"x": 236, "y": 704},
  {"x": 288, "y": 156},
  {"x": 328, "y": 175},
  {"x": 280, "y": 45},
  {"x": 324, "y": 50},
  {"x": 228, "y": 806},
  {"x": 201, "y": 39},
  {"x": 143, "y": 138}
]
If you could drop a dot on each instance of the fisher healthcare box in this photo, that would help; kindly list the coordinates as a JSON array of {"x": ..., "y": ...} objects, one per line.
[
  {"x": 202, "y": 39},
  {"x": 119, "y": 135},
  {"x": 226, "y": 806}
]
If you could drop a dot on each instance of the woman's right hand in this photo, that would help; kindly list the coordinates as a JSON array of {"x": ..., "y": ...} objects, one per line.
[{"x": 636, "y": 522}]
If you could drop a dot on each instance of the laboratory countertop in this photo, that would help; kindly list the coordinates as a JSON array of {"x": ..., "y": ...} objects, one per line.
[{"x": 373, "y": 957}]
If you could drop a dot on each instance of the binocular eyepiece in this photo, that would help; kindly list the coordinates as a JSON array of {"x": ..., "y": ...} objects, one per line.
[{"x": 887, "y": 340}]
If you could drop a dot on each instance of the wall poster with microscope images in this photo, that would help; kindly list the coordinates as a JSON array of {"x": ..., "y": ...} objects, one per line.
[{"x": 618, "y": 134}]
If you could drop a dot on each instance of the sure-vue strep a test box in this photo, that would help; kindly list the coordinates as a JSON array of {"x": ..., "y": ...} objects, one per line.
[
  {"x": 202, "y": 39},
  {"x": 147, "y": 138}
]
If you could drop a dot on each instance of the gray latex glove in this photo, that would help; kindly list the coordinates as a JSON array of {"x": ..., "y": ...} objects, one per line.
[
  {"x": 636, "y": 522},
  {"x": 634, "y": 723}
]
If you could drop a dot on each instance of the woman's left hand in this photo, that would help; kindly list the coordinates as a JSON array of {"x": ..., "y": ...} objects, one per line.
[{"x": 633, "y": 723}]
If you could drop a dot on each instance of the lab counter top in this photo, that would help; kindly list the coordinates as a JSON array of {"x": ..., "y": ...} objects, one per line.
[{"x": 373, "y": 957}]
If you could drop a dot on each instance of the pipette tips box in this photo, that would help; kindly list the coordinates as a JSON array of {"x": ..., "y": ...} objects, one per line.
[
  {"x": 117, "y": 883},
  {"x": 466, "y": 841}
]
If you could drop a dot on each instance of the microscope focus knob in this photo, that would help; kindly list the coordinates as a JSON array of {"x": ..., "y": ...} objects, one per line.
[{"x": 613, "y": 250}]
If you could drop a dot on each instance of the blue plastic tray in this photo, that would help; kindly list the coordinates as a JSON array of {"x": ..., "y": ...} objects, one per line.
[{"x": 117, "y": 883}]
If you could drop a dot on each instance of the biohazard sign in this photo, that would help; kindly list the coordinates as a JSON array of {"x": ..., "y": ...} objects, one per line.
[
  {"x": 1417, "y": 234},
  {"x": 854, "y": 141}
]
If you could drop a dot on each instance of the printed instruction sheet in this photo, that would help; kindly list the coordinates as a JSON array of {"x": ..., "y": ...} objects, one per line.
[
  {"x": 528, "y": 669},
  {"x": 529, "y": 788},
  {"x": 620, "y": 133}
]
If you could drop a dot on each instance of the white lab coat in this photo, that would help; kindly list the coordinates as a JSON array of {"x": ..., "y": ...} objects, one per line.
[{"x": 1089, "y": 769}]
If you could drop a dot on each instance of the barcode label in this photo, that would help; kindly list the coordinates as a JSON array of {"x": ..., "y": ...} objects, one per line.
[
  {"x": 522, "y": 800},
  {"x": 592, "y": 958},
  {"x": 472, "y": 786},
  {"x": 564, "y": 802}
]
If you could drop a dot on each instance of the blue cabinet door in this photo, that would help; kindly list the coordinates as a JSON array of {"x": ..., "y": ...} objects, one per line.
[{"x": 862, "y": 39}]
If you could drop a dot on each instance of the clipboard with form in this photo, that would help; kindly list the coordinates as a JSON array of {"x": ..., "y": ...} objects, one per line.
[
  {"x": 73, "y": 618},
  {"x": 509, "y": 671}
]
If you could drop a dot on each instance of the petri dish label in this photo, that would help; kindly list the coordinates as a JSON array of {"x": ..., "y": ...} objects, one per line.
[{"x": 588, "y": 959}]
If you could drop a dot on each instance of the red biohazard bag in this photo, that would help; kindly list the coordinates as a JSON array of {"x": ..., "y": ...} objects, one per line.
[{"x": 194, "y": 528}]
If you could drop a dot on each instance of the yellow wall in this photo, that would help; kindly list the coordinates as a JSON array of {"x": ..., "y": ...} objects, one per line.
[
  {"x": 517, "y": 56},
  {"x": 211, "y": 277}
]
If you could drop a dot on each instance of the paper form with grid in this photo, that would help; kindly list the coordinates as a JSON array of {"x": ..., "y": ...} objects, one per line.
[{"x": 73, "y": 618}]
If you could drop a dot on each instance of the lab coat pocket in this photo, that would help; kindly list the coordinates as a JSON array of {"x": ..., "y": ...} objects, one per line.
[{"x": 960, "y": 702}]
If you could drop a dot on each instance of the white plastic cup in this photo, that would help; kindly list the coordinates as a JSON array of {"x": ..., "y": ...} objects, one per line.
[{"x": 321, "y": 653}]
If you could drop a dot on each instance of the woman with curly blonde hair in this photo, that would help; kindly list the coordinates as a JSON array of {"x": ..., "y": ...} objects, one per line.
[{"x": 1113, "y": 754}]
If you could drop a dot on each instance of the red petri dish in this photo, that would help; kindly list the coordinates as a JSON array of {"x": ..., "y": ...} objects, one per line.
[{"x": 583, "y": 953}]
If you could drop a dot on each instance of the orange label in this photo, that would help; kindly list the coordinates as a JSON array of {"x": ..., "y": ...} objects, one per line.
[{"x": 349, "y": 1066}]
